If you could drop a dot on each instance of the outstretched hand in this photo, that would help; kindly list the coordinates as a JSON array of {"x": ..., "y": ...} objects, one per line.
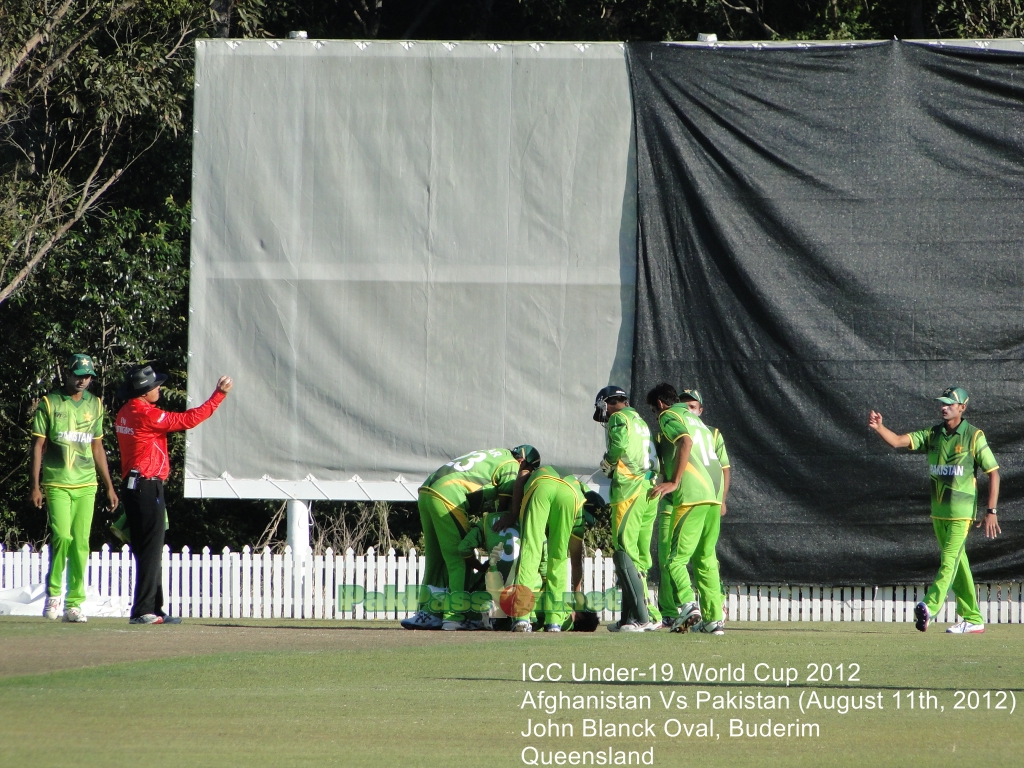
[
  {"x": 224, "y": 384},
  {"x": 874, "y": 420}
]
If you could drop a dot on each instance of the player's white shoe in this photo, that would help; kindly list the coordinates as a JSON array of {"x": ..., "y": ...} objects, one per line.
[
  {"x": 522, "y": 626},
  {"x": 709, "y": 628},
  {"x": 74, "y": 616},
  {"x": 651, "y": 626},
  {"x": 688, "y": 616},
  {"x": 965, "y": 628},
  {"x": 553, "y": 628},
  {"x": 52, "y": 608},
  {"x": 422, "y": 620},
  {"x": 625, "y": 626}
]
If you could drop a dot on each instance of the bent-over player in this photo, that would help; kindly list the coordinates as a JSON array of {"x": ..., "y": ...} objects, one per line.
[
  {"x": 956, "y": 449},
  {"x": 446, "y": 500},
  {"x": 552, "y": 509}
]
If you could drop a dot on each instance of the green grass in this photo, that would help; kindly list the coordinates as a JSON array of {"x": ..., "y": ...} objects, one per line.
[{"x": 348, "y": 695}]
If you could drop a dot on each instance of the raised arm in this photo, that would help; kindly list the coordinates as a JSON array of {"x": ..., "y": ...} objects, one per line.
[
  {"x": 169, "y": 421},
  {"x": 896, "y": 441}
]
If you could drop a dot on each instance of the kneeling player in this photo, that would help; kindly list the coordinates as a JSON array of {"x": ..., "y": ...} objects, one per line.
[{"x": 502, "y": 549}]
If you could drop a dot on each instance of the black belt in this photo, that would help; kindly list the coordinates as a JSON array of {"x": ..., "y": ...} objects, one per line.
[{"x": 133, "y": 478}]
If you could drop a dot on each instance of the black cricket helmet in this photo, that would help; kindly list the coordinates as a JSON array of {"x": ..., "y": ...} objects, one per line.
[
  {"x": 601, "y": 402},
  {"x": 595, "y": 509}
]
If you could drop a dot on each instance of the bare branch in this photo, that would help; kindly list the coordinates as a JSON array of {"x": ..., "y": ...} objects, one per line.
[
  {"x": 185, "y": 33},
  {"x": 752, "y": 12},
  {"x": 88, "y": 184},
  {"x": 62, "y": 230},
  {"x": 33, "y": 42}
]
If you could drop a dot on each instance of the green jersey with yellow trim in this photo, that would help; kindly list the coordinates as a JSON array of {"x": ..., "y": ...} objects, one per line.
[
  {"x": 69, "y": 427},
  {"x": 483, "y": 538},
  {"x": 720, "y": 452},
  {"x": 630, "y": 452},
  {"x": 486, "y": 474},
  {"x": 701, "y": 481},
  {"x": 953, "y": 458},
  {"x": 554, "y": 473}
]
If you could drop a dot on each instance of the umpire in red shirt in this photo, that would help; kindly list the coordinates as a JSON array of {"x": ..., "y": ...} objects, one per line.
[{"x": 142, "y": 437}]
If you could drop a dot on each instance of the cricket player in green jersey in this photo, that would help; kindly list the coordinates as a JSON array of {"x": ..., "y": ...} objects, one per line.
[
  {"x": 551, "y": 511},
  {"x": 956, "y": 450},
  {"x": 693, "y": 484},
  {"x": 695, "y": 404},
  {"x": 67, "y": 450},
  {"x": 446, "y": 500},
  {"x": 628, "y": 463}
]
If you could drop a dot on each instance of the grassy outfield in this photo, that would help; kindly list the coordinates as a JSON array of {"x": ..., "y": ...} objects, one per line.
[{"x": 278, "y": 693}]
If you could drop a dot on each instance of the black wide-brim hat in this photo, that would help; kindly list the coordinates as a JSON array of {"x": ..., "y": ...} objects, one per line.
[{"x": 140, "y": 380}]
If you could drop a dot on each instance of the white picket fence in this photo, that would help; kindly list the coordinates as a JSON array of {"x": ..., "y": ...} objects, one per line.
[{"x": 266, "y": 585}]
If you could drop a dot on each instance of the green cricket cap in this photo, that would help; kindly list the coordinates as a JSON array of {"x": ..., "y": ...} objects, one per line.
[
  {"x": 954, "y": 395},
  {"x": 527, "y": 453},
  {"x": 691, "y": 394},
  {"x": 81, "y": 365}
]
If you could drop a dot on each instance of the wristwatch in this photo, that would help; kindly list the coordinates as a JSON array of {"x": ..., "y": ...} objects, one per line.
[{"x": 990, "y": 511}]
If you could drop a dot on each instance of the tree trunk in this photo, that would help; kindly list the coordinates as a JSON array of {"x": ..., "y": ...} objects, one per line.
[{"x": 221, "y": 10}]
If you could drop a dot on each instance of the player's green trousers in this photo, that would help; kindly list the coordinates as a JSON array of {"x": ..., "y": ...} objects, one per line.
[
  {"x": 70, "y": 511},
  {"x": 645, "y": 539},
  {"x": 444, "y": 525},
  {"x": 694, "y": 537},
  {"x": 633, "y": 518},
  {"x": 667, "y": 602},
  {"x": 552, "y": 509},
  {"x": 954, "y": 571}
]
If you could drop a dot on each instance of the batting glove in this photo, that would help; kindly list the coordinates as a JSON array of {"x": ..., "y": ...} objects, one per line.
[{"x": 496, "y": 553}]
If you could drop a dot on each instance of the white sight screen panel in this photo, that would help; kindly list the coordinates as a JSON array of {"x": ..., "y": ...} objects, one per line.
[{"x": 402, "y": 253}]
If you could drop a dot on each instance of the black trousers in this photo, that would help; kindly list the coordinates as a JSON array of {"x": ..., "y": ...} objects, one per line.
[{"x": 147, "y": 522}]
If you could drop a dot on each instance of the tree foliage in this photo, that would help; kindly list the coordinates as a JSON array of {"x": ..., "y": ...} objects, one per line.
[{"x": 86, "y": 90}]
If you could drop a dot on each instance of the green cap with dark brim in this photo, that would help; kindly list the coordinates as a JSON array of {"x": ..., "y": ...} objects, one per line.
[
  {"x": 528, "y": 454},
  {"x": 691, "y": 394},
  {"x": 81, "y": 365},
  {"x": 953, "y": 396}
]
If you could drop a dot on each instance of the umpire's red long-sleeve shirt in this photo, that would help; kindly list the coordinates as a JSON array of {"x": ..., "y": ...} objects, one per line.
[{"x": 142, "y": 433}]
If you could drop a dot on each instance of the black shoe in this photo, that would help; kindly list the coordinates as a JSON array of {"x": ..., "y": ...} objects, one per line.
[{"x": 922, "y": 616}]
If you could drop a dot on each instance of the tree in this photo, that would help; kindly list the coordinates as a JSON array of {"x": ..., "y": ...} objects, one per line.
[{"x": 86, "y": 90}]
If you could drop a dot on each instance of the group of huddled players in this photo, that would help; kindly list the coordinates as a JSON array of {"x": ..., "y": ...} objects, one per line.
[{"x": 532, "y": 518}]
